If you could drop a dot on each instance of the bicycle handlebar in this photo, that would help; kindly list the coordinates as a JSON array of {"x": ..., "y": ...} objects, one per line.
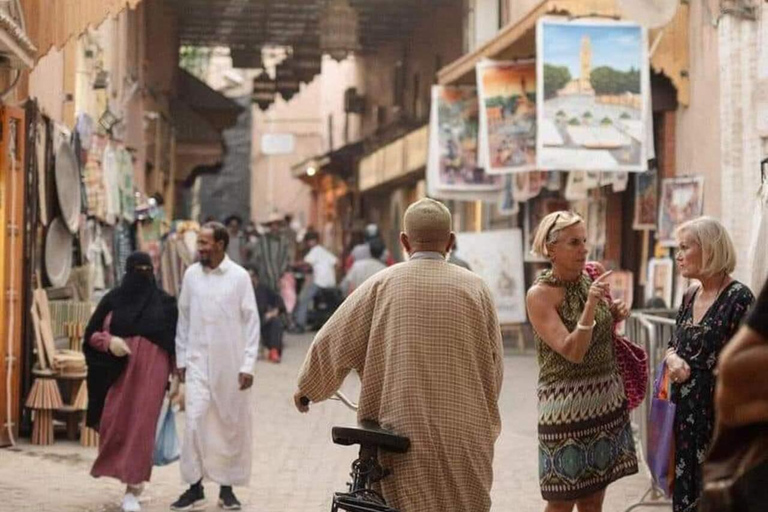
[{"x": 341, "y": 397}]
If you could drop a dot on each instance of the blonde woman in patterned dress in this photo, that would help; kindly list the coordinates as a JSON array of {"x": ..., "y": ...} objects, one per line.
[{"x": 585, "y": 439}]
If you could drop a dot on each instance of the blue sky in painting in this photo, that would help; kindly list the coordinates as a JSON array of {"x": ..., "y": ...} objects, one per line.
[{"x": 617, "y": 47}]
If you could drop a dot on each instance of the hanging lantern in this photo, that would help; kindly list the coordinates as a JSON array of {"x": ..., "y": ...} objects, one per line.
[
  {"x": 338, "y": 29},
  {"x": 307, "y": 61},
  {"x": 286, "y": 80},
  {"x": 264, "y": 89}
]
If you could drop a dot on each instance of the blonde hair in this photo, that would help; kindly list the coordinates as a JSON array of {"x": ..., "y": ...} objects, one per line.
[
  {"x": 549, "y": 230},
  {"x": 718, "y": 255}
]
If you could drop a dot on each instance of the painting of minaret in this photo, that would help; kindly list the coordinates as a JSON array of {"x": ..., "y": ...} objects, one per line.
[
  {"x": 585, "y": 84},
  {"x": 592, "y": 93},
  {"x": 582, "y": 84}
]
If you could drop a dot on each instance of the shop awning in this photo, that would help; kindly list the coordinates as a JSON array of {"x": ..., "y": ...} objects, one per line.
[
  {"x": 518, "y": 40},
  {"x": 395, "y": 161},
  {"x": 339, "y": 162},
  {"x": 51, "y": 23},
  {"x": 220, "y": 111}
]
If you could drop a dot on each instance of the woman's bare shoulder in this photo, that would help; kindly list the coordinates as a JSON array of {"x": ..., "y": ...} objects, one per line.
[{"x": 541, "y": 294}]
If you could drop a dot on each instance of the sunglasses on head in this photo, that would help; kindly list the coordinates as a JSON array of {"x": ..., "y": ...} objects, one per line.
[{"x": 549, "y": 231}]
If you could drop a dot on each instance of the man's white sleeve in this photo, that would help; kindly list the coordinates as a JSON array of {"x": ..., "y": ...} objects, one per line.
[
  {"x": 182, "y": 326},
  {"x": 249, "y": 313}
]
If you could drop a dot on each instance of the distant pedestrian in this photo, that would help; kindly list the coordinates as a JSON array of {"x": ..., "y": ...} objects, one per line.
[
  {"x": 362, "y": 250},
  {"x": 236, "y": 250},
  {"x": 709, "y": 316},
  {"x": 129, "y": 346},
  {"x": 363, "y": 269},
  {"x": 585, "y": 438},
  {"x": 271, "y": 307},
  {"x": 216, "y": 347},
  {"x": 323, "y": 264},
  {"x": 425, "y": 339},
  {"x": 273, "y": 253}
]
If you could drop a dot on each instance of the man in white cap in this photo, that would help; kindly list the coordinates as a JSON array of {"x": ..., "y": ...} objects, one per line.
[{"x": 425, "y": 339}]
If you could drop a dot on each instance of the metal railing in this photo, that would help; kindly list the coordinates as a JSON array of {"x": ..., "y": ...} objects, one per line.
[{"x": 651, "y": 330}]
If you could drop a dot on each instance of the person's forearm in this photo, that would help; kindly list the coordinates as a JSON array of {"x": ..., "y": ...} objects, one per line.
[{"x": 577, "y": 342}]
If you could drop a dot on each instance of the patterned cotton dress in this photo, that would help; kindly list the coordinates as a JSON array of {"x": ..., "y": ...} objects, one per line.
[
  {"x": 699, "y": 345},
  {"x": 585, "y": 439}
]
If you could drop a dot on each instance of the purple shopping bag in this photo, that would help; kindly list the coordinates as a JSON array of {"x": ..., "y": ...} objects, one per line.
[{"x": 661, "y": 433}]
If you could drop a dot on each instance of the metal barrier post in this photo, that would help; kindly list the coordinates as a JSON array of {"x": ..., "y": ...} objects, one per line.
[{"x": 652, "y": 333}]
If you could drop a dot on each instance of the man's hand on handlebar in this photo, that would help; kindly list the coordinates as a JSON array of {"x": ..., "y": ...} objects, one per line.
[{"x": 301, "y": 402}]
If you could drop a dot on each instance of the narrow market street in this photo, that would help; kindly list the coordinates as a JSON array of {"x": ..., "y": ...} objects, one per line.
[
  {"x": 296, "y": 467},
  {"x": 572, "y": 191}
]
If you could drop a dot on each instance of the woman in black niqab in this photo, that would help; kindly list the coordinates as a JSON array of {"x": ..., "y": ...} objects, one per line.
[{"x": 125, "y": 392}]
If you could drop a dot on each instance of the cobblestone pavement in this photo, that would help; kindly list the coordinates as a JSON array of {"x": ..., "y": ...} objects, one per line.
[{"x": 296, "y": 467}]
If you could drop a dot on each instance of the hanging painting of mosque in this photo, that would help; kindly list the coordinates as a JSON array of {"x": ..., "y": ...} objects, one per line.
[
  {"x": 507, "y": 93},
  {"x": 592, "y": 94}
]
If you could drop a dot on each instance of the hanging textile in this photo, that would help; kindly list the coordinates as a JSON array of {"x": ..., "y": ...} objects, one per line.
[
  {"x": 111, "y": 174},
  {"x": 124, "y": 246},
  {"x": 94, "y": 179},
  {"x": 125, "y": 171}
]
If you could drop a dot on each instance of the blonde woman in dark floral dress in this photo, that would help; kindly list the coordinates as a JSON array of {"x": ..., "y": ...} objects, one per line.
[
  {"x": 709, "y": 316},
  {"x": 585, "y": 439}
]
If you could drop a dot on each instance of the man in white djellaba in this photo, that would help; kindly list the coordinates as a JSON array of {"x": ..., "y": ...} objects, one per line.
[{"x": 217, "y": 340}]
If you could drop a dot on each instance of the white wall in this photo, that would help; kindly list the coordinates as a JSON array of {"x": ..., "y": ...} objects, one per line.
[{"x": 742, "y": 146}]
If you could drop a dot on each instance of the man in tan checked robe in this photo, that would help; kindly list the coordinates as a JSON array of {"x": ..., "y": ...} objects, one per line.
[{"x": 425, "y": 340}]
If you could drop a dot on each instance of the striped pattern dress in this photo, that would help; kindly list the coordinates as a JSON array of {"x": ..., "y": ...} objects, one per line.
[{"x": 585, "y": 438}]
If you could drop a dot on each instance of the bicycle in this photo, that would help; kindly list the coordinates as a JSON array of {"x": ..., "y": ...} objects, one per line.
[{"x": 366, "y": 469}]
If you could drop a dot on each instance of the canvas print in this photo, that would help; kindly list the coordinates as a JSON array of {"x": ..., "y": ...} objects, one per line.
[
  {"x": 659, "y": 283},
  {"x": 681, "y": 200},
  {"x": 455, "y": 138},
  {"x": 507, "y": 203},
  {"x": 596, "y": 227},
  {"x": 576, "y": 186},
  {"x": 494, "y": 256},
  {"x": 507, "y": 93},
  {"x": 646, "y": 201},
  {"x": 622, "y": 288},
  {"x": 592, "y": 91}
]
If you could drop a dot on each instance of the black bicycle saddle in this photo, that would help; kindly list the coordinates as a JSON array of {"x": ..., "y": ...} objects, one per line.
[{"x": 370, "y": 433}]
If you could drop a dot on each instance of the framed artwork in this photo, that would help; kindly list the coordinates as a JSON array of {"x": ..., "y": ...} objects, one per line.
[
  {"x": 493, "y": 255},
  {"x": 507, "y": 93},
  {"x": 596, "y": 227},
  {"x": 646, "y": 201},
  {"x": 682, "y": 199},
  {"x": 507, "y": 203},
  {"x": 622, "y": 288},
  {"x": 661, "y": 273},
  {"x": 454, "y": 141},
  {"x": 592, "y": 92}
]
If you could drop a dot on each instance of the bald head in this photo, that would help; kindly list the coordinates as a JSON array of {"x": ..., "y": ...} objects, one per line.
[{"x": 427, "y": 227}]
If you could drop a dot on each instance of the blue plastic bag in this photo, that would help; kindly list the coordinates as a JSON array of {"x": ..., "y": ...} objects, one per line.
[{"x": 166, "y": 440}]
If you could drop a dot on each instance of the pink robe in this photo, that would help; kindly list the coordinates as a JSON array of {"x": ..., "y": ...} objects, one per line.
[{"x": 133, "y": 403}]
